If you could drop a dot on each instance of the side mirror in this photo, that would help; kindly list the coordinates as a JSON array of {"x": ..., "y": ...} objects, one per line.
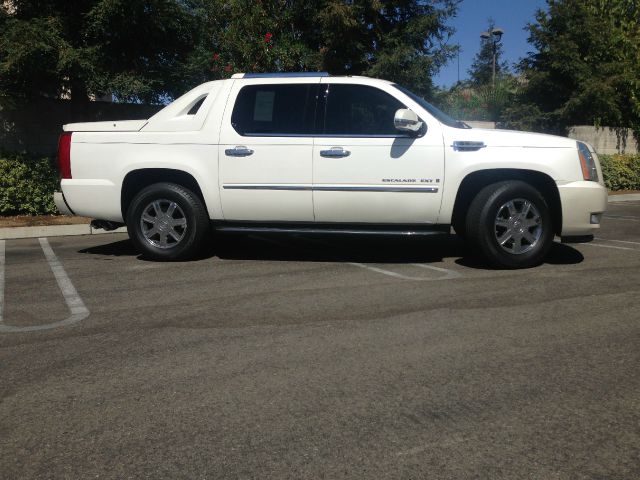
[{"x": 406, "y": 120}]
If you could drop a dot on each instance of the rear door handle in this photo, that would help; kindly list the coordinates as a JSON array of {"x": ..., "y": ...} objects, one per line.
[
  {"x": 335, "y": 152},
  {"x": 238, "y": 152}
]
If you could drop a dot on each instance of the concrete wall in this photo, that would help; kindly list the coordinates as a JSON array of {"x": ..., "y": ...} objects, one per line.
[
  {"x": 605, "y": 140},
  {"x": 480, "y": 124},
  {"x": 35, "y": 125}
]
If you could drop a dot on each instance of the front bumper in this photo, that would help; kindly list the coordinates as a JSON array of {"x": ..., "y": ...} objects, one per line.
[{"x": 583, "y": 204}]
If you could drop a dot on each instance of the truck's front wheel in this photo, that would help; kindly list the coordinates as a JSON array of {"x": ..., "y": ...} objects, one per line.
[
  {"x": 510, "y": 224},
  {"x": 167, "y": 222}
]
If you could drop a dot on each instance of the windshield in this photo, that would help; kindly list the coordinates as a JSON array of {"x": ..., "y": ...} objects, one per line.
[{"x": 436, "y": 112}]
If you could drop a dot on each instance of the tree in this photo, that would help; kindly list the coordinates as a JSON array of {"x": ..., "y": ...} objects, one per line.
[
  {"x": 400, "y": 40},
  {"x": 255, "y": 36},
  {"x": 465, "y": 101},
  {"x": 481, "y": 71},
  {"x": 152, "y": 50},
  {"x": 134, "y": 49},
  {"x": 585, "y": 68}
]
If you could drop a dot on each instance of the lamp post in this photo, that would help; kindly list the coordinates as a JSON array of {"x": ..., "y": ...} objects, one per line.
[{"x": 494, "y": 35}]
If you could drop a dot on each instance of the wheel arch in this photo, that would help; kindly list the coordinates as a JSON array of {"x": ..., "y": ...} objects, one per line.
[
  {"x": 137, "y": 179},
  {"x": 475, "y": 181}
]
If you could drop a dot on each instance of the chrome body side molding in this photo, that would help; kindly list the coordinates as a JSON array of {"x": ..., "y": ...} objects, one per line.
[{"x": 332, "y": 188}]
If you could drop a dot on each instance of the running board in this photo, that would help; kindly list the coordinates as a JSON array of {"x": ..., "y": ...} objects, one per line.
[{"x": 403, "y": 230}]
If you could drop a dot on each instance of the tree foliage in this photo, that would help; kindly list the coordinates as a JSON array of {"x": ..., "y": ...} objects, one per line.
[
  {"x": 585, "y": 68},
  {"x": 481, "y": 71},
  {"x": 466, "y": 101},
  {"x": 400, "y": 40},
  {"x": 132, "y": 48},
  {"x": 151, "y": 50}
]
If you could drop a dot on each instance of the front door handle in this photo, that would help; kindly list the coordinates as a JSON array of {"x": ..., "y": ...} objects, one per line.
[
  {"x": 238, "y": 152},
  {"x": 335, "y": 152}
]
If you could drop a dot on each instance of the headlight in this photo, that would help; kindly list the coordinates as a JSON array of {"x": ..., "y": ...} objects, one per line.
[{"x": 587, "y": 163}]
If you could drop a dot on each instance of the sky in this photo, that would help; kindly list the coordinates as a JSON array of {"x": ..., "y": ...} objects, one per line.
[{"x": 510, "y": 15}]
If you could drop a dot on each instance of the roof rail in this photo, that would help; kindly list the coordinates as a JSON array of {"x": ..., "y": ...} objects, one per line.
[{"x": 280, "y": 75}]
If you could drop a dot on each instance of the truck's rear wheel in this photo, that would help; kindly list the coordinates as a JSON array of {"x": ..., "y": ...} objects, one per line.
[
  {"x": 167, "y": 222},
  {"x": 509, "y": 223}
]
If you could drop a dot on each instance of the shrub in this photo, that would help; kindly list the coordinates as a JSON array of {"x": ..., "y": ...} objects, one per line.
[
  {"x": 27, "y": 183},
  {"x": 621, "y": 172}
]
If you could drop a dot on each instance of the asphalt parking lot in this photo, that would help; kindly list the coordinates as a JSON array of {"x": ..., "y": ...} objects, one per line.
[{"x": 320, "y": 357}]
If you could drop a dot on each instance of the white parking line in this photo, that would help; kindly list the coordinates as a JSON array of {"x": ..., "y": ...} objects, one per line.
[
  {"x": 608, "y": 246},
  {"x": 75, "y": 304},
  {"x": 449, "y": 273},
  {"x": 2, "y": 249},
  {"x": 617, "y": 241},
  {"x": 622, "y": 217}
]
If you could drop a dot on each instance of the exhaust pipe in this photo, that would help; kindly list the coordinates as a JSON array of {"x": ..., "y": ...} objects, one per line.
[{"x": 106, "y": 225}]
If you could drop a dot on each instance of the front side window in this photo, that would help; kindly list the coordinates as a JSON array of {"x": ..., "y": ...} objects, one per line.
[
  {"x": 360, "y": 110},
  {"x": 436, "y": 112},
  {"x": 275, "y": 110}
]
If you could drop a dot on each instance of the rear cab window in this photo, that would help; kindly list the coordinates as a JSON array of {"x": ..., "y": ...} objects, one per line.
[{"x": 275, "y": 110}]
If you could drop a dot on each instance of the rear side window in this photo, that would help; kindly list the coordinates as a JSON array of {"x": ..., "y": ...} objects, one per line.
[
  {"x": 275, "y": 110},
  {"x": 360, "y": 110},
  {"x": 196, "y": 106}
]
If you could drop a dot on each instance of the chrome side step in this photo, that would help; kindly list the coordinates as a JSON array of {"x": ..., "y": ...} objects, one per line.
[{"x": 350, "y": 230}]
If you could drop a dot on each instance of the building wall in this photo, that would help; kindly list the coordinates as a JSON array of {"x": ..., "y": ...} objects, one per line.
[
  {"x": 35, "y": 125},
  {"x": 605, "y": 140}
]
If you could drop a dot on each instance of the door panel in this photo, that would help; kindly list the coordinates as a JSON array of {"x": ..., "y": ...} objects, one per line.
[
  {"x": 386, "y": 177},
  {"x": 266, "y": 152}
]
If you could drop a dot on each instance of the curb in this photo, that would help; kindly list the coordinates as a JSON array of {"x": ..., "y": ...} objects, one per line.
[
  {"x": 8, "y": 233},
  {"x": 628, "y": 197}
]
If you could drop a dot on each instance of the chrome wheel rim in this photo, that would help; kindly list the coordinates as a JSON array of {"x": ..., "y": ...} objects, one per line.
[
  {"x": 163, "y": 223},
  {"x": 518, "y": 226}
]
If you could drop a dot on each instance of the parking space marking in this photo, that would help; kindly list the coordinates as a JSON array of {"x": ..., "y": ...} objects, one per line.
[
  {"x": 449, "y": 273},
  {"x": 622, "y": 217},
  {"x": 615, "y": 247},
  {"x": 2, "y": 250},
  {"x": 75, "y": 304},
  {"x": 617, "y": 241}
]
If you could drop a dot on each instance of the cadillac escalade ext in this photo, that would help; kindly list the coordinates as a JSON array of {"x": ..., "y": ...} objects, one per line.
[{"x": 311, "y": 152}]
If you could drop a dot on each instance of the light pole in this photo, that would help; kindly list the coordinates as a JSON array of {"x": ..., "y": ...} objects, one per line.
[{"x": 495, "y": 35}]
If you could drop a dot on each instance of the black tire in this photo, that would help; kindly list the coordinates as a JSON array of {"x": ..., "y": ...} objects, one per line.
[
  {"x": 177, "y": 231},
  {"x": 460, "y": 228},
  {"x": 498, "y": 213}
]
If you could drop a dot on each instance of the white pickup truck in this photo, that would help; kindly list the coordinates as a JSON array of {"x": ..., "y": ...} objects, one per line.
[{"x": 310, "y": 152}]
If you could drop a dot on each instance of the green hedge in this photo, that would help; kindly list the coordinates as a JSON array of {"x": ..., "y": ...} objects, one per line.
[
  {"x": 27, "y": 183},
  {"x": 621, "y": 172}
]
